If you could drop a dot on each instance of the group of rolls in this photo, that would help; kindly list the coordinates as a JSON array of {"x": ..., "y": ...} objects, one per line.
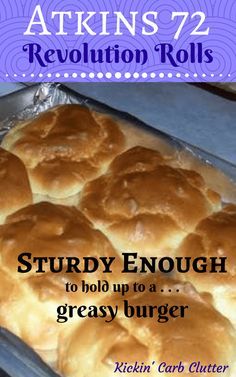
[{"x": 72, "y": 186}]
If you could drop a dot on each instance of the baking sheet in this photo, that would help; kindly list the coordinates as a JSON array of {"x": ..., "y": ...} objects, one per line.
[
  {"x": 19, "y": 360},
  {"x": 219, "y": 174},
  {"x": 29, "y": 102}
]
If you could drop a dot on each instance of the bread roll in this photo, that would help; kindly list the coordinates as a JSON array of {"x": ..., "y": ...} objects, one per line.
[
  {"x": 7, "y": 286},
  {"x": 144, "y": 205},
  {"x": 14, "y": 184},
  {"x": 204, "y": 336},
  {"x": 64, "y": 147},
  {"x": 136, "y": 159},
  {"x": 47, "y": 230},
  {"x": 143, "y": 202},
  {"x": 215, "y": 236}
]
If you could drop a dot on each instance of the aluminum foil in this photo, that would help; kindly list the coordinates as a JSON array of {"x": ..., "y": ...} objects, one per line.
[{"x": 47, "y": 96}]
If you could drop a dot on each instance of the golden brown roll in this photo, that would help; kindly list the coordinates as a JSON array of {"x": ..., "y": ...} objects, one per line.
[
  {"x": 215, "y": 236},
  {"x": 144, "y": 205},
  {"x": 64, "y": 147},
  {"x": 201, "y": 336},
  {"x": 47, "y": 230},
  {"x": 136, "y": 159},
  {"x": 14, "y": 184},
  {"x": 7, "y": 286}
]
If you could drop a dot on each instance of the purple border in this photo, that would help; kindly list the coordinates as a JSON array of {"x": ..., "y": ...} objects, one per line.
[{"x": 194, "y": 65}]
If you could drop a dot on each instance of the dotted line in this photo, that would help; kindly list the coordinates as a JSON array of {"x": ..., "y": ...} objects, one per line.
[
  {"x": 118, "y": 75},
  {"x": 169, "y": 290}
]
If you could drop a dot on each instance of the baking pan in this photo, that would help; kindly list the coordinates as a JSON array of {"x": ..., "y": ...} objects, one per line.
[
  {"x": 17, "y": 359},
  {"x": 225, "y": 90},
  {"x": 219, "y": 174}
]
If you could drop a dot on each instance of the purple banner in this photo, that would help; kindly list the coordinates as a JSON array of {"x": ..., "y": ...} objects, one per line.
[{"x": 118, "y": 40}]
